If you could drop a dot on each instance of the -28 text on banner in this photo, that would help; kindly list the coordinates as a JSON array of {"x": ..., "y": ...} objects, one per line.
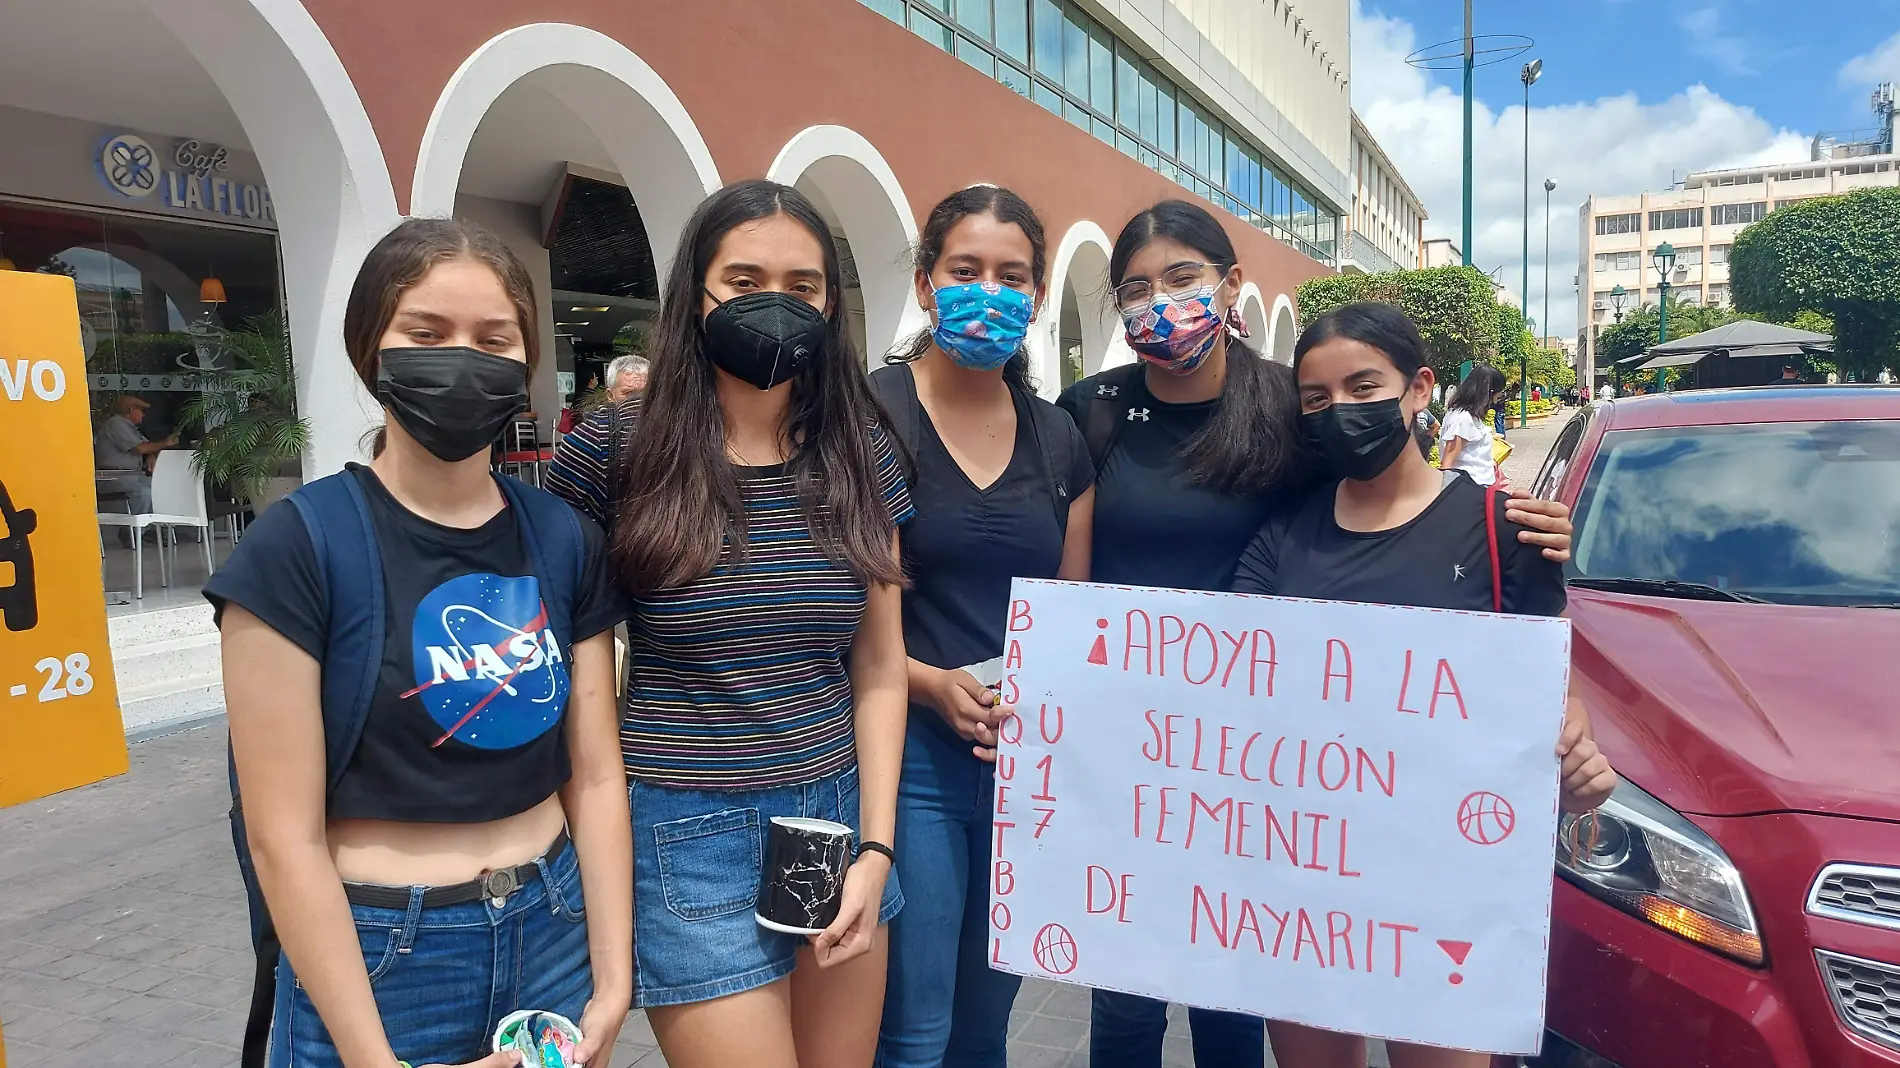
[
  {"x": 59, "y": 709},
  {"x": 1338, "y": 814}
]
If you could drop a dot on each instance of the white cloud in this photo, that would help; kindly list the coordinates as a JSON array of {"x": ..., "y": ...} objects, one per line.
[
  {"x": 1702, "y": 32},
  {"x": 1879, "y": 65},
  {"x": 1609, "y": 146}
]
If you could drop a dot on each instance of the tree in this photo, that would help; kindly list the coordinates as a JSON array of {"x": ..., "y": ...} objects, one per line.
[
  {"x": 1637, "y": 332},
  {"x": 1454, "y": 308},
  {"x": 1838, "y": 256}
]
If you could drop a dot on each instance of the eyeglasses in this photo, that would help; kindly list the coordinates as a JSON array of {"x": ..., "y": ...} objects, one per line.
[{"x": 1177, "y": 282}]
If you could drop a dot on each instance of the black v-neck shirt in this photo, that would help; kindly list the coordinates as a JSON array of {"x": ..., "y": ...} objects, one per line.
[{"x": 966, "y": 544}]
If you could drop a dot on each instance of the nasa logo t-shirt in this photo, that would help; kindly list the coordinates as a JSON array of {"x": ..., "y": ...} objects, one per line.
[{"x": 465, "y": 726}]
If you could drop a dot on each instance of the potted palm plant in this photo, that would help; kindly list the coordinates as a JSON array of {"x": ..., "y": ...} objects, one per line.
[{"x": 252, "y": 439}]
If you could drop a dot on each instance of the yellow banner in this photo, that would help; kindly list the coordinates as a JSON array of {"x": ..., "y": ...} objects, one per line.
[{"x": 59, "y": 706}]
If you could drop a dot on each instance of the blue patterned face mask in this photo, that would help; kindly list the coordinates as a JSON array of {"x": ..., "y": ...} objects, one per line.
[{"x": 981, "y": 325}]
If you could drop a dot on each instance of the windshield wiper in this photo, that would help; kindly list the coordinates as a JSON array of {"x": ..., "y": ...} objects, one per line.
[{"x": 1694, "y": 591}]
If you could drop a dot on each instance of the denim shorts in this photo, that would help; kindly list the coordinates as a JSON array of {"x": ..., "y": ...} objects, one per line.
[
  {"x": 444, "y": 977},
  {"x": 696, "y": 863}
]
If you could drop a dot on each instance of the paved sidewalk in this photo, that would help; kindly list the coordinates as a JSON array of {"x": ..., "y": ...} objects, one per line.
[
  {"x": 1530, "y": 444},
  {"x": 124, "y": 940}
]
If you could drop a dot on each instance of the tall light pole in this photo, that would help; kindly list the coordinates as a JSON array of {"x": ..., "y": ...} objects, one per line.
[
  {"x": 1664, "y": 259},
  {"x": 1550, "y": 186},
  {"x": 1529, "y": 75},
  {"x": 1618, "y": 297},
  {"x": 1471, "y": 58}
]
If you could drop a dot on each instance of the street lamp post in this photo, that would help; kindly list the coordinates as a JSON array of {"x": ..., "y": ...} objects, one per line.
[
  {"x": 1471, "y": 60},
  {"x": 1664, "y": 259},
  {"x": 1618, "y": 297},
  {"x": 1550, "y": 186},
  {"x": 1529, "y": 75}
]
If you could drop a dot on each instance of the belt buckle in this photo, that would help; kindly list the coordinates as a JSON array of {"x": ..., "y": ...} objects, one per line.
[{"x": 499, "y": 884}]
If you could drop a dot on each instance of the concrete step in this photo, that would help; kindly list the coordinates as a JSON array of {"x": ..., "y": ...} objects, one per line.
[{"x": 167, "y": 666}]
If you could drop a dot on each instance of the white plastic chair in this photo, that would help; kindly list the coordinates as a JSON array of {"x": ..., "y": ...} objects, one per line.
[{"x": 178, "y": 500}]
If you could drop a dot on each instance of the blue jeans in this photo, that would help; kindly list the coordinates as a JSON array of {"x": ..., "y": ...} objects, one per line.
[
  {"x": 444, "y": 977},
  {"x": 1125, "y": 1032},
  {"x": 942, "y": 1003}
]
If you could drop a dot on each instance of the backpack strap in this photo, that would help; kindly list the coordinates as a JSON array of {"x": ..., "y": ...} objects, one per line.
[
  {"x": 1491, "y": 542},
  {"x": 1105, "y": 409},
  {"x": 556, "y": 547},
  {"x": 1036, "y": 411},
  {"x": 895, "y": 387},
  {"x": 350, "y": 565}
]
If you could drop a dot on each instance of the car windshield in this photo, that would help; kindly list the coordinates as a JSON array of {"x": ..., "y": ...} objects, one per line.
[{"x": 1796, "y": 513}]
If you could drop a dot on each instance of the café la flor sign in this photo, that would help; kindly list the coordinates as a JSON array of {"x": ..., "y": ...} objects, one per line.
[{"x": 189, "y": 177}]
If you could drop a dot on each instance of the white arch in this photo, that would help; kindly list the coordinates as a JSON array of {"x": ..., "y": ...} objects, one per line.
[
  {"x": 1253, "y": 312},
  {"x": 1079, "y": 271},
  {"x": 1286, "y": 330},
  {"x": 641, "y": 124},
  {"x": 327, "y": 177},
  {"x": 856, "y": 184}
]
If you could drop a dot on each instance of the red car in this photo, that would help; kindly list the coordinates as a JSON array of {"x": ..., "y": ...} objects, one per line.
[{"x": 1735, "y": 594}]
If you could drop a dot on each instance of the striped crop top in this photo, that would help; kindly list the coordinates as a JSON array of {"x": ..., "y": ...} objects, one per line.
[{"x": 737, "y": 680}]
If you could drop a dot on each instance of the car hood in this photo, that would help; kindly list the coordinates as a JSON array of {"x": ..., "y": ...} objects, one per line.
[{"x": 1724, "y": 709}]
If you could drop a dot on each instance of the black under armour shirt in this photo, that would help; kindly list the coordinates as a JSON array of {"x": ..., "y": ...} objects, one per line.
[{"x": 1153, "y": 525}]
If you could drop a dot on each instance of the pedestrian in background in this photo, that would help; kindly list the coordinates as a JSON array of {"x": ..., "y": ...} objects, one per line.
[
  {"x": 1004, "y": 489},
  {"x": 430, "y": 792},
  {"x": 753, "y": 500},
  {"x": 1465, "y": 440},
  {"x": 626, "y": 377}
]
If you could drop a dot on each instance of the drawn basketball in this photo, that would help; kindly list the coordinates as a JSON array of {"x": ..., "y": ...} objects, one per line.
[
  {"x": 1484, "y": 818},
  {"x": 1055, "y": 949}
]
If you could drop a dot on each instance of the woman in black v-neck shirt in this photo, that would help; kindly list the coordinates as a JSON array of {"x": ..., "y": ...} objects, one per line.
[
  {"x": 1396, "y": 530},
  {"x": 1003, "y": 489}
]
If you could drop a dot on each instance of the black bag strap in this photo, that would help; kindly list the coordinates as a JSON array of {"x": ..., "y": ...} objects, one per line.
[
  {"x": 1117, "y": 395},
  {"x": 1037, "y": 410},
  {"x": 895, "y": 387}
]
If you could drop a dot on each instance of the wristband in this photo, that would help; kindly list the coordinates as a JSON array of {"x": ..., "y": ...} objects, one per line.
[{"x": 877, "y": 847}]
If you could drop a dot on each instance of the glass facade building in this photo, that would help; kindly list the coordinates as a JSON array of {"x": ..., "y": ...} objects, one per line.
[{"x": 1066, "y": 61}]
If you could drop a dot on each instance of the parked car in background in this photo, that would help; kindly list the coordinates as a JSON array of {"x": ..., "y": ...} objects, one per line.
[{"x": 1735, "y": 594}]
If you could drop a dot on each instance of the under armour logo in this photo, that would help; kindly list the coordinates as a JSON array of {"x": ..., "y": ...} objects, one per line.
[
  {"x": 1107, "y": 391},
  {"x": 1457, "y": 572},
  {"x": 1137, "y": 413}
]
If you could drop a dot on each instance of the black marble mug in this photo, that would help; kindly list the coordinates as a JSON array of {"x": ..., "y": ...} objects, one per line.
[{"x": 802, "y": 883}]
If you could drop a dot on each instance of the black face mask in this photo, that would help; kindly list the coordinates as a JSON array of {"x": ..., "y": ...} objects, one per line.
[
  {"x": 453, "y": 401},
  {"x": 1359, "y": 441},
  {"x": 764, "y": 338}
]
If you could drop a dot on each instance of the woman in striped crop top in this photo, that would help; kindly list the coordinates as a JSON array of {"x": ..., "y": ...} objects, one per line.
[{"x": 752, "y": 503}]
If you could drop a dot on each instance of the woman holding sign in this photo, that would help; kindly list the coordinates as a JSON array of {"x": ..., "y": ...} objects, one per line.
[
  {"x": 1395, "y": 530},
  {"x": 1004, "y": 488},
  {"x": 1195, "y": 447}
]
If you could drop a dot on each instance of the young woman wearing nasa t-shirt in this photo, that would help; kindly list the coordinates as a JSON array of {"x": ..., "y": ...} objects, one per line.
[
  {"x": 436, "y": 885},
  {"x": 1392, "y": 529}
]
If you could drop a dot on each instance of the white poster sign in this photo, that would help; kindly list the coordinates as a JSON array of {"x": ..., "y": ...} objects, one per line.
[{"x": 1337, "y": 814}]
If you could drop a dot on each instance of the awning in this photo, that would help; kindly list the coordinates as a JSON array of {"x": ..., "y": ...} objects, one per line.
[{"x": 1679, "y": 360}]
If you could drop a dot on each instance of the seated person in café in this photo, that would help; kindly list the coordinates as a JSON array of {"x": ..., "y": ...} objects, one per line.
[{"x": 119, "y": 445}]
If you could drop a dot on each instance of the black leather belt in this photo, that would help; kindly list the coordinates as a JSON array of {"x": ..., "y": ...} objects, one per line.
[{"x": 495, "y": 886}]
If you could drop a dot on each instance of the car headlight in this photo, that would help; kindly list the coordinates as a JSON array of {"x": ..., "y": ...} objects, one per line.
[{"x": 1643, "y": 857}]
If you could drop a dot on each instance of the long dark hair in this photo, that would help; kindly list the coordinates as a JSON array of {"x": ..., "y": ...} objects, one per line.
[
  {"x": 1004, "y": 206},
  {"x": 680, "y": 512},
  {"x": 399, "y": 261},
  {"x": 1477, "y": 392},
  {"x": 1252, "y": 442}
]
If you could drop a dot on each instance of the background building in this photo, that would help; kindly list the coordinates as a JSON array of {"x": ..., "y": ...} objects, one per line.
[
  {"x": 1700, "y": 220},
  {"x": 1385, "y": 230},
  {"x": 197, "y": 163}
]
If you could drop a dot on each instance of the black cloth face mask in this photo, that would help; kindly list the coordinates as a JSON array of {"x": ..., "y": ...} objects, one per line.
[
  {"x": 764, "y": 338},
  {"x": 1359, "y": 441},
  {"x": 454, "y": 401}
]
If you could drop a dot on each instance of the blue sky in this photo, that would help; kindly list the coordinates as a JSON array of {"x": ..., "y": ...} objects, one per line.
[
  {"x": 1755, "y": 53},
  {"x": 1634, "y": 93}
]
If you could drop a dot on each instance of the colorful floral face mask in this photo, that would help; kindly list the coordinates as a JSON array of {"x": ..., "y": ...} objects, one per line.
[
  {"x": 981, "y": 325},
  {"x": 1175, "y": 333}
]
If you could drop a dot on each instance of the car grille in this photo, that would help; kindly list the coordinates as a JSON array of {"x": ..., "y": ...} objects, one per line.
[
  {"x": 1866, "y": 995},
  {"x": 1857, "y": 893}
]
